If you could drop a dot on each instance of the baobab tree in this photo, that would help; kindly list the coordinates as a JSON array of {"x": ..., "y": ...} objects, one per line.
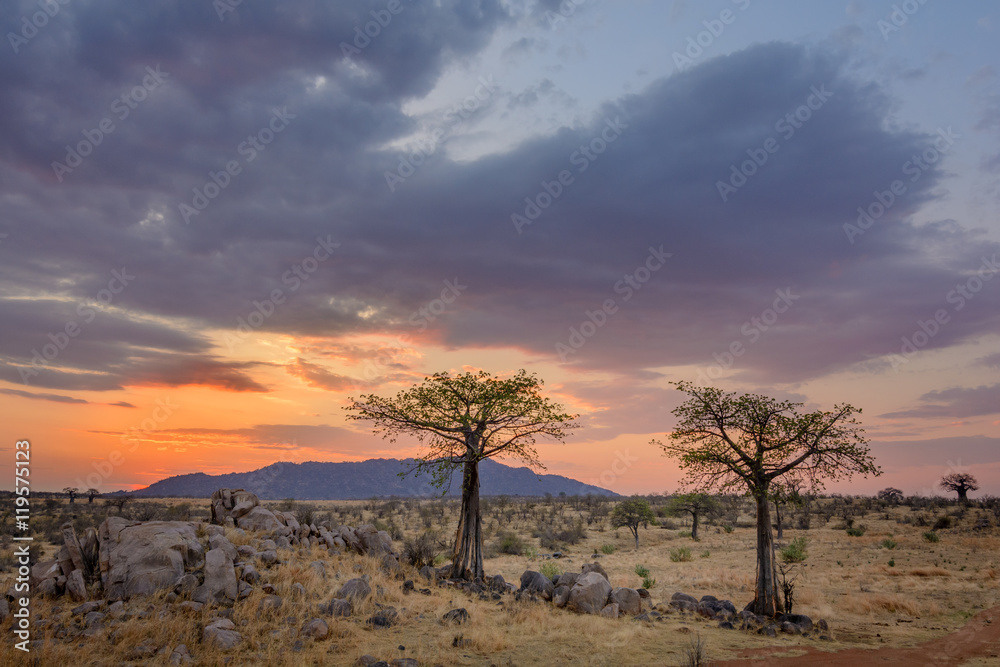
[
  {"x": 890, "y": 495},
  {"x": 462, "y": 420},
  {"x": 748, "y": 442},
  {"x": 91, "y": 494},
  {"x": 71, "y": 491},
  {"x": 961, "y": 483}
]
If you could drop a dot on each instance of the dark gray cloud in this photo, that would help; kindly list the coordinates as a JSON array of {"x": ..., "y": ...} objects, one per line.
[
  {"x": 324, "y": 177},
  {"x": 955, "y": 403}
]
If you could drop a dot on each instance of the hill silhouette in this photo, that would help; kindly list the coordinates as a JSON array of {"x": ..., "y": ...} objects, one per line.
[{"x": 354, "y": 480}]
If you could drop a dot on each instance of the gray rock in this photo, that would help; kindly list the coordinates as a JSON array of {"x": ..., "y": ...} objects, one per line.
[
  {"x": 186, "y": 585},
  {"x": 85, "y": 608},
  {"x": 610, "y": 611},
  {"x": 355, "y": 590},
  {"x": 260, "y": 519},
  {"x": 536, "y": 582},
  {"x": 337, "y": 607},
  {"x": 316, "y": 629},
  {"x": 191, "y": 606},
  {"x": 180, "y": 656},
  {"x": 268, "y": 557},
  {"x": 384, "y": 618},
  {"x": 75, "y": 586},
  {"x": 269, "y": 603},
  {"x": 685, "y": 597},
  {"x": 457, "y": 616},
  {"x": 220, "y": 579},
  {"x": 560, "y": 596},
  {"x": 628, "y": 600},
  {"x": 589, "y": 594},
  {"x": 140, "y": 559},
  {"x": 220, "y": 542},
  {"x": 595, "y": 567},
  {"x": 222, "y": 634}
]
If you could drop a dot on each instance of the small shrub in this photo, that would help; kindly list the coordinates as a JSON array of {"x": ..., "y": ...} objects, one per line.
[
  {"x": 727, "y": 528},
  {"x": 888, "y": 543},
  {"x": 420, "y": 551},
  {"x": 550, "y": 570},
  {"x": 680, "y": 555},
  {"x": 608, "y": 549},
  {"x": 642, "y": 571},
  {"x": 795, "y": 552},
  {"x": 706, "y": 553},
  {"x": 931, "y": 536},
  {"x": 510, "y": 543},
  {"x": 531, "y": 553},
  {"x": 892, "y": 562},
  {"x": 942, "y": 523},
  {"x": 694, "y": 654},
  {"x": 648, "y": 582},
  {"x": 684, "y": 533},
  {"x": 856, "y": 531}
]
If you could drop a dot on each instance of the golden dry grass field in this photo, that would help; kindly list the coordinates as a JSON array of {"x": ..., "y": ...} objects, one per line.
[{"x": 890, "y": 587}]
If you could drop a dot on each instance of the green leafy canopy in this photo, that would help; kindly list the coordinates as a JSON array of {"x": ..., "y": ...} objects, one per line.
[{"x": 468, "y": 417}]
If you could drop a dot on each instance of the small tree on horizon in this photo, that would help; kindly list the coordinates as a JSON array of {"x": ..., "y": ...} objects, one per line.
[
  {"x": 71, "y": 491},
  {"x": 726, "y": 441},
  {"x": 463, "y": 419},
  {"x": 960, "y": 483},
  {"x": 91, "y": 494},
  {"x": 890, "y": 495},
  {"x": 695, "y": 504},
  {"x": 631, "y": 514}
]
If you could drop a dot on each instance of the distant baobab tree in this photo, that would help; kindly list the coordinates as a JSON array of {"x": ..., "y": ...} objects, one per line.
[
  {"x": 961, "y": 483},
  {"x": 753, "y": 443},
  {"x": 71, "y": 491},
  {"x": 91, "y": 494},
  {"x": 890, "y": 495},
  {"x": 464, "y": 419}
]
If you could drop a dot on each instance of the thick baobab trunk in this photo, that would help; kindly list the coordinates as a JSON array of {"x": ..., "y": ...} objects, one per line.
[
  {"x": 766, "y": 601},
  {"x": 467, "y": 559},
  {"x": 694, "y": 525},
  {"x": 963, "y": 494}
]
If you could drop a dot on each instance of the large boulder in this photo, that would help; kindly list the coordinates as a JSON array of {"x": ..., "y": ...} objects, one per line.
[
  {"x": 595, "y": 567},
  {"x": 259, "y": 518},
  {"x": 220, "y": 579},
  {"x": 589, "y": 594},
  {"x": 222, "y": 634},
  {"x": 373, "y": 541},
  {"x": 536, "y": 582},
  {"x": 141, "y": 558},
  {"x": 354, "y": 590},
  {"x": 233, "y": 504},
  {"x": 628, "y": 600},
  {"x": 801, "y": 623}
]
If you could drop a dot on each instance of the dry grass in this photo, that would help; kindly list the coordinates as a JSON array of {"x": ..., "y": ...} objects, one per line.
[{"x": 847, "y": 581}]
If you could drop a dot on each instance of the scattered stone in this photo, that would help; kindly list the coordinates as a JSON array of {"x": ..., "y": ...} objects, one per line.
[
  {"x": 317, "y": 629},
  {"x": 457, "y": 616},
  {"x": 683, "y": 596},
  {"x": 355, "y": 590},
  {"x": 628, "y": 600},
  {"x": 611, "y": 610},
  {"x": 269, "y": 603},
  {"x": 85, "y": 608},
  {"x": 191, "y": 606},
  {"x": 222, "y": 633},
  {"x": 384, "y": 618},
  {"x": 180, "y": 656},
  {"x": 536, "y": 582},
  {"x": 595, "y": 567}
]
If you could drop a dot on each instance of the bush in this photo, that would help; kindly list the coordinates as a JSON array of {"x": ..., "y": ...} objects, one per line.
[
  {"x": 888, "y": 543},
  {"x": 856, "y": 531},
  {"x": 642, "y": 571},
  {"x": 510, "y": 543},
  {"x": 727, "y": 528},
  {"x": 795, "y": 552},
  {"x": 420, "y": 551},
  {"x": 931, "y": 536},
  {"x": 942, "y": 523},
  {"x": 680, "y": 555},
  {"x": 706, "y": 553},
  {"x": 608, "y": 549},
  {"x": 550, "y": 570}
]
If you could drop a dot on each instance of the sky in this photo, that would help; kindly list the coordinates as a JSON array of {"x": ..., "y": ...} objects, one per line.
[{"x": 220, "y": 221}]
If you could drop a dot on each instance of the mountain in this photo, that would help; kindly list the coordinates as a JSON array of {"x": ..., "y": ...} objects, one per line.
[{"x": 315, "y": 480}]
